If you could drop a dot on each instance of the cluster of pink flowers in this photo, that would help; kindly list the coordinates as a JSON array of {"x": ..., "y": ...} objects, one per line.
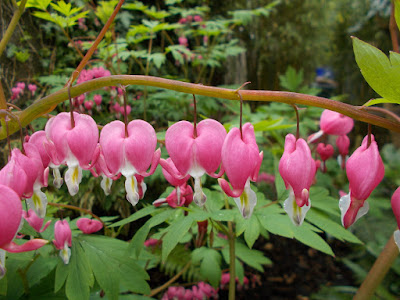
[
  {"x": 190, "y": 19},
  {"x": 364, "y": 169},
  {"x": 93, "y": 73},
  {"x": 18, "y": 90},
  {"x": 200, "y": 291}
]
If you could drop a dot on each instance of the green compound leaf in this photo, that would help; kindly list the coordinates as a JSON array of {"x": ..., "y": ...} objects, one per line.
[
  {"x": 310, "y": 238},
  {"x": 382, "y": 74},
  {"x": 175, "y": 233},
  {"x": 251, "y": 257},
  {"x": 210, "y": 266}
]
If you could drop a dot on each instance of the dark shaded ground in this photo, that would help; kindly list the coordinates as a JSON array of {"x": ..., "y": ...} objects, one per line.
[{"x": 297, "y": 272}]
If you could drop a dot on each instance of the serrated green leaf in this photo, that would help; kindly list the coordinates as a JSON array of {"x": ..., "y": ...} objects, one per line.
[
  {"x": 158, "y": 59},
  {"x": 80, "y": 277},
  {"x": 324, "y": 222},
  {"x": 251, "y": 257},
  {"x": 3, "y": 286},
  {"x": 252, "y": 231},
  {"x": 136, "y": 216},
  {"x": 312, "y": 239},
  {"x": 277, "y": 224},
  {"x": 39, "y": 4},
  {"x": 61, "y": 275},
  {"x": 210, "y": 266},
  {"x": 239, "y": 270},
  {"x": 223, "y": 215},
  {"x": 175, "y": 233},
  {"x": 380, "y": 73},
  {"x": 397, "y": 12},
  {"x": 320, "y": 199}
]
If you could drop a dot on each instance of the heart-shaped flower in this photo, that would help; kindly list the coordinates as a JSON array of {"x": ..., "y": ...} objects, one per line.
[
  {"x": 130, "y": 152},
  {"x": 89, "y": 226},
  {"x": 195, "y": 152},
  {"x": 241, "y": 161}
]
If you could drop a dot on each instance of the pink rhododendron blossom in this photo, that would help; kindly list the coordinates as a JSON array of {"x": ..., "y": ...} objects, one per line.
[
  {"x": 333, "y": 123},
  {"x": 89, "y": 226},
  {"x": 364, "y": 171},
  {"x": 195, "y": 155},
  {"x": 343, "y": 144},
  {"x": 74, "y": 146},
  {"x": 396, "y": 211},
  {"x": 130, "y": 154},
  {"x": 62, "y": 239},
  {"x": 35, "y": 221},
  {"x": 297, "y": 168},
  {"x": 10, "y": 222},
  {"x": 241, "y": 162}
]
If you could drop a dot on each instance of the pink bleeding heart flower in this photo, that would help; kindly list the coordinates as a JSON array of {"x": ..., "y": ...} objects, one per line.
[
  {"x": 175, "y": 178},
  {"x": 180, "y": 196},
  {"x": 63, "y": 239},
  {"x": 10, "y": 222},
  {"x": 343, "y": 144},
  {"x": 35, "y": 221},
  {"x": 364, "y": 171},
  {"x": 89, "y": 105},
  {"x": 21, "y": 85},
  {"x": 97, "y": 99},
  {"x": 128, "y": 110},
  {"x": 297, "y": 168},
  {"x": 101, "y": 169},
  {"x": 333, "y": 123},
  {"x": 195, "y": 153},
  {"x": 325, "y": 151},
  {"x": 13, "y": 176},
  {"x": 396, "y": 211},
  {"x": 36, "y": 177},
  {"x": 241, "y": 162},
  {"x": 32, "y": 88},
  {"x": 74, "y": 146},
  {"x": 89, "y": 226},
  {"x": 39, "y": 139},
  {"x": 130, "y": 152}
]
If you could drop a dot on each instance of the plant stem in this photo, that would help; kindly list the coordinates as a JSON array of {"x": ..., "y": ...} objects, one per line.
[
  {"x": 3, "y": 101},
  {"x": 46, "y": 104},
  {"x": 90, "y": 52},
  {"x": 11, "y": 27},
  {"x": 169, "y": 282},
  {"x": 232, "y": 269},
  {"x": 378, "y": 271}
]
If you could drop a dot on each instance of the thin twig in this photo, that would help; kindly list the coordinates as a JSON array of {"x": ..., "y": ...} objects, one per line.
[
  {"x": 169, "y": 282},
  {"x": 298, "y": 121}
]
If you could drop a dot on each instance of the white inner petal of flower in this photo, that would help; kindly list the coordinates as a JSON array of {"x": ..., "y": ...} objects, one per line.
[
  {"x": 247, "y": 201},
  {"x": 106, "y": 184},
  {"x": 73, "y": 178},
  {"x": 65, "y": 253},
  {"x": 2, "y": 263},
  {"x": 396, "y": 236},
  {"x": 198, "y": 197},
  {"x": 295, "y": 212},
  {"x": 38, "y": 201},
  {"x": 131, "y": 190}
]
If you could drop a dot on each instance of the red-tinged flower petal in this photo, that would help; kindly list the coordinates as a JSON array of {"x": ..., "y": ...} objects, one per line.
[
  {"x": 364, "y": 170},
  {"x": 28, "y": 246},
  {"x": 89, "y": 226},
  {"x": 33, "y": 220},
  {"x": 343, "y": 144},
  {"x": 171, "y": 173},
  {"x": 325, "y": 151},
  {"x": 154, "y": 164},
  {"x": 352, "y": 209},
  {"x": 10, "y": 214},
  {"x": 228, "y": 190},
  {"x": 39, "y": 139},
  {"x": 62, "y": 234}
]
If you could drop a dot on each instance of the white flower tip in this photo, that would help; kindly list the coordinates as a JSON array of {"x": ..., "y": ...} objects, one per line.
[
  {"x": 73, "y": 178},
  {"x": 65, "y": 254},
  {"x": 38, "y": 202},
  {"x": 131, "y": 190},
  {"x": 198, "y": 197},
  {"x": 396, "y": 236},
  {"x": 106, "y": 185},
  {"x": 246, "y": 202},
  {"x": 344, "y": 204},
  {"x": 3, "y": 269},
  {"x": 58, "y": 180},
  {"x": 295, "y": 212}
]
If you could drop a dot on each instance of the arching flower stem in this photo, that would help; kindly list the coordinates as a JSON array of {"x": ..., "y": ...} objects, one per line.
[
  {"x": 71, "y": 106},
  {"x": 298, "y": 121},
  {"x": 194, "y": 117},
  {"x": 369, "y": 135},
  {"x": 125, "y": 114},
  {"x": 47, "y": 104}
]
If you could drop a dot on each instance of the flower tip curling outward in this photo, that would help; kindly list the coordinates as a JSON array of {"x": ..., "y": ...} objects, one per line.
[
  {"x": 365, "y": 170},
  {"x": 62, "y": 239},
  {"x": 89, "y": 226},
  {"x": 396, "y": 211},
  {"x": 297, "y": 168}
]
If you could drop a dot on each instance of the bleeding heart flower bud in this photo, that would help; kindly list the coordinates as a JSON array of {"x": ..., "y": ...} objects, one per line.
[
  {"x": 343, "y": 144},
  {"x": 32, "y": 88},
  {"x": 195, "y": 154},
  {"x": 89, "y": 226},
  {"x": 35, "y": 221},
  {"x": 62, "y": 239},
  {"x": 241, "y": 162},
  {"x": 297, "y": 168},
  {"x": 365, "y": 171},
  {"x": 89, "y": 105},
  {"x": 333, "y": 123},
  {"x": 396, "y": 211},
  {"x": 325, "y": 152},
  {"x": 130, "y": 154},
  {"x": 97, "y": 99}
]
